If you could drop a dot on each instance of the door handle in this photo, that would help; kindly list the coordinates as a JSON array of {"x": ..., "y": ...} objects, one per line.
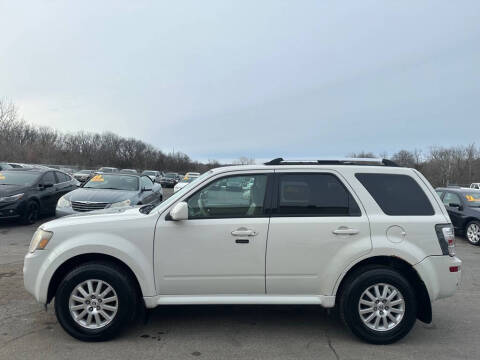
[
  {"x": 345, "y": 231},
  {"x": 243, "y": 232}
]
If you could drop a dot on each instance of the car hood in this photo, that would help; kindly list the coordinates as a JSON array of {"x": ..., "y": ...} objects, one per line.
[
  {"x": 100, "y": 195},
  {"x": 9, "y": 190}
]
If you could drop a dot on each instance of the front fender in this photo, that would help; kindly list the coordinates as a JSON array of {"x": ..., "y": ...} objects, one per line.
[{"x": 96, "y": 243}]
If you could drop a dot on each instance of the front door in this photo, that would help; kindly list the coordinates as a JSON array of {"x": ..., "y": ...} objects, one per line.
[{"x": 220, "y": 249}]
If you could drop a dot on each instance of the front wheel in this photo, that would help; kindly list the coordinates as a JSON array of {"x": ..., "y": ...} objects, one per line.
[
  {"x": 95, "y": 301},
  {"x": 378, "y": 305},
  {"x": 472, "y": 232},
  {"x": 31, "y": 214}
]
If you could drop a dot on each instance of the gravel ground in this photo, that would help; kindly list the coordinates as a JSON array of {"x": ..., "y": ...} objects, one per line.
[{"x": 230, "y": 332}]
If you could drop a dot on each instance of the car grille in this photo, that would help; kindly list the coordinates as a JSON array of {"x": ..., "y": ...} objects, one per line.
[{"x": 84, "y": 206}]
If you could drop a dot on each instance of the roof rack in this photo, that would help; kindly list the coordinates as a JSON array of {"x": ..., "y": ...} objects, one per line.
[{"x": 353, "y": 161}]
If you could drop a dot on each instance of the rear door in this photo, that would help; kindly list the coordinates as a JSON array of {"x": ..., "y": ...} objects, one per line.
[{"x": 316, "y": 220}]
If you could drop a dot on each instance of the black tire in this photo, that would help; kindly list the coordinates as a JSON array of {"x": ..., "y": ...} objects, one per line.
[
  {"x": 118, "y": 279},
  {"x": 355, "y": 286},
  {"x": 470, "y": 239},
  {"x": 31, "y": 213}
]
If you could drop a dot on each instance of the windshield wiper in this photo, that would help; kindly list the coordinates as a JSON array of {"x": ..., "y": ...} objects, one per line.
[{"x": 145, "y": 209}]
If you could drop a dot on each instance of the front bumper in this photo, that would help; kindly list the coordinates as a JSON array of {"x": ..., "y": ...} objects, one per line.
[
  {"x": 435, "y": 272},
  {"x": 12, "y": 210},
  {"x": 59, "y": 212},
  {"x": 34, "y": 266}
]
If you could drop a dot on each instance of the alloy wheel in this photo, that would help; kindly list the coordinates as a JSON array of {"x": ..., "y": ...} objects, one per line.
[
  {"x": 473, "y": 233},
  {"x": 381, "y": 307},
  {"x": 93, "y": 304}
]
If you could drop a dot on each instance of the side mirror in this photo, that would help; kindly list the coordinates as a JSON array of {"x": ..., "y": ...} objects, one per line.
[
  {"x": 460, "y": 207},
  {"x": 179, "y": 211}
]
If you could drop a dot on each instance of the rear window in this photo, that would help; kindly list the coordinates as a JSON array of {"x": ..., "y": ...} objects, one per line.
[
  {"x": 397, "y": 195},
  {"x": 314, "y": 195}
]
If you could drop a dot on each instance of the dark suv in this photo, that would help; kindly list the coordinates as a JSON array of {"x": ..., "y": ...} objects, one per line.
[
  {"x": 27, "y": 193},
  {"x": 463, "y": 206}
]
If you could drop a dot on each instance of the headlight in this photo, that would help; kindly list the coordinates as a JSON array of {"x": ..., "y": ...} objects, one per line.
[
  {"x": 39, "y": 240},
  {"x": 63, "y": 202},
  {"x": 12, "y": 198},
  {"x": 121, "y": 203}
]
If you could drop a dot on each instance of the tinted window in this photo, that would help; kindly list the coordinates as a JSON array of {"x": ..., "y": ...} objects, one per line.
[
  {"x": 62, "y": 177},
  {"x": 396, "y": 194},
  {"x": 439, "y": 193},
  {"x": 314, "y": 195},
  {"x": 451, "y": 198},
  {"x": 229, "y": 197},
  {"x": 49, "y": 178}
]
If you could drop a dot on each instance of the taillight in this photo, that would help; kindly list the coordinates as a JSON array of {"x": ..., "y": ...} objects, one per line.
[{"x": 446, "y": 238}]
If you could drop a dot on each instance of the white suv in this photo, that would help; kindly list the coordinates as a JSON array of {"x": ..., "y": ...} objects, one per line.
[{"x": 373, "y": 241}]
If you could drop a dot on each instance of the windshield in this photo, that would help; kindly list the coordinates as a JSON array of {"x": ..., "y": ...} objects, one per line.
[
  {"x": 18, "y": 178},
  {"x": 170, "y": 175},
  {"x": 115, "y": 182},
  {"x": 473, "y": 198},
  {"x": 149, "y": 173},
  {"x": 189, "y": 179},
  {"x": 107, "y": 170}
]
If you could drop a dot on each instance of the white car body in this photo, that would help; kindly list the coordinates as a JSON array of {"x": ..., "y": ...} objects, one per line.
[{"x": 289, "y": 260}]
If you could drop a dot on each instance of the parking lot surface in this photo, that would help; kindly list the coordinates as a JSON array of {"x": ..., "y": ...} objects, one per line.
[{"x": 230, "y": 332}]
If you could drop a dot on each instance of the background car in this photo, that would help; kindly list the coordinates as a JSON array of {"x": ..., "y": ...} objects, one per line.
[
  {"x": 108, "y": 191},
  {"x": 154, "y": 175},
  {"x": 463, "y": 206},
  {"x": 169, "y": 179},
  {"x": 475, "y": 186},
  {"x": 184, "y": 182},
  {"x": 83, "y": 175},
  {"x": 106, "y": 169},
  {"x": 25, "y": 194},
  {"x": 128, "y": 171}
]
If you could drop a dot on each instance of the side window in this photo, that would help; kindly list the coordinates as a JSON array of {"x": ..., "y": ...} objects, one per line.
[
  {"x": 62, "y": 177},
  {"x": 451, "y": 198},
  {"x": 314, "y": 195},
  {"x": 397, "y": 195},
  {"x": 146, "y": 183},
  {"x": 49, "y": 178},
  {"x": 234, "y": 196}
]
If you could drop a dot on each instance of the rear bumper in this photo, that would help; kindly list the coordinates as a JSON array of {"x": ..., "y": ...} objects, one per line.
[{"x": 435, "y": 272}]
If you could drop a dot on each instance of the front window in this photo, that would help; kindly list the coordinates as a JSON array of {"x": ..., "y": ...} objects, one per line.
[
  {"x": 114, "y": 182},
  {"x": 451, "y": 199},
  {"x": 17, "y": 178},
  {"x": 228, "y": 198},
  {"x": 171, "y": 175}
]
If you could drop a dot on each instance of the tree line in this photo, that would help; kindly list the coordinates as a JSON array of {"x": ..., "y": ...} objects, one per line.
[
  {"x": 442, "y": 166},
  {"x": 26, "y": 143}
]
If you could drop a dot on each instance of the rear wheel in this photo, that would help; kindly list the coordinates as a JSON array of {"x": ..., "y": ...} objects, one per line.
[
  {"x": 472, "y": 232},
  {"x": 95, "y": 301},
  {"x": 32, "y": 211},
  {"x": 378, "y": 305}
]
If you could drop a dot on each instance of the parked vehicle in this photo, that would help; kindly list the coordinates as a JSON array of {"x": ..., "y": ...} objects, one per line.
[
  {"x": 154, "y": 175},
  {"x": 463, "y": 207},
  {"x": 83, "y": 175},
  {"x": 128, "y": 171},
  {"x": 374, "y": 241},
  {"x": 25, "y": 194},
  {"x": 189, "y": 174},
  {"x": 107, "y": 170},
  {"x": 169, "y": 180},
  {"x": 110, "y": 191},
  {"x": 184, "y": 182},
  {"x": 5, "y": 166},
  {"x": 475, "y": 186}
]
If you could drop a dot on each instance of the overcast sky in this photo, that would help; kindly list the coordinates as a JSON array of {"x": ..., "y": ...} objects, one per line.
[{"x": 223, "y": 79}]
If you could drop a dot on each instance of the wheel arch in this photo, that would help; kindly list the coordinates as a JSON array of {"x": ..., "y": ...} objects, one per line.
[
  {"x": 78, "y": 260},
  {"x": 424, "y": 306}
]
